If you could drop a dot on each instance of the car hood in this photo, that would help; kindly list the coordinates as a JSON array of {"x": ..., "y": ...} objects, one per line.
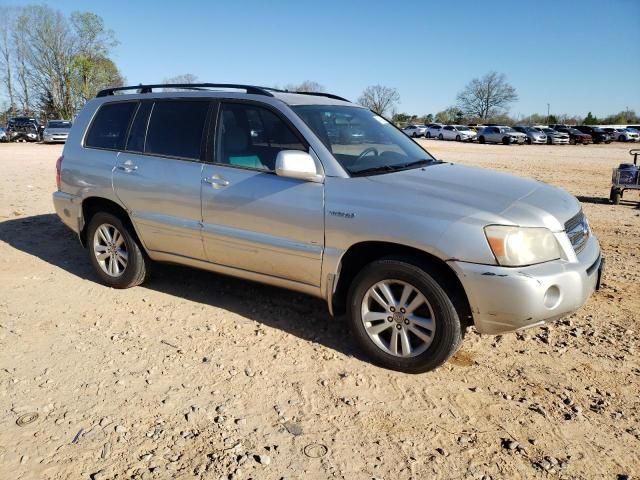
[{"x": 483, "y": 194}]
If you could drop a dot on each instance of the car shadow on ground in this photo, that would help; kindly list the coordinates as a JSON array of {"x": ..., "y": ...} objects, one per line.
[{"x": 44, "y": 236}]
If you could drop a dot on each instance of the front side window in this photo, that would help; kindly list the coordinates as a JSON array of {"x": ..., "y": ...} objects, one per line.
[
  {"x": 361, "y": 141},
  {"x": 250, "y": 136},
  {"x": 110, "y": 126},
  {"x": 176, "y": 128}
]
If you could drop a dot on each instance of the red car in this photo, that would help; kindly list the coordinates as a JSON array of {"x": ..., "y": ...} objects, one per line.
[{"x": 576, "y": 136}]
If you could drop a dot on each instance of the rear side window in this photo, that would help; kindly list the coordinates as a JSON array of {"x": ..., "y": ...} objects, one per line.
[
  {"x": 109, "y": 128},
  {"x": 138, "y": 132},
  {"x": 176, "y": 128}
]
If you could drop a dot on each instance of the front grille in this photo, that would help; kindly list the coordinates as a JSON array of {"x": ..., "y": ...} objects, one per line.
[{"x": 577, "y": 230}]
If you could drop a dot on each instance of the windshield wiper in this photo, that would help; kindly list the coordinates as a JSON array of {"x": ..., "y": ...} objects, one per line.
[{"x": 394, "y": 168}]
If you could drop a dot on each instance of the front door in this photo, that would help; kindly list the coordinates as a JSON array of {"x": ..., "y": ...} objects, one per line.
[{"x": 253, "y": 219}]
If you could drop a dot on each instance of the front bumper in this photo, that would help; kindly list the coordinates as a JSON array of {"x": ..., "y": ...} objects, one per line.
[
  {"x": 559, "y": 141},
  {"x": 69, "y": 208},
  {"x": 505, "y": 299},
  {"x": 540, "y": 140}
]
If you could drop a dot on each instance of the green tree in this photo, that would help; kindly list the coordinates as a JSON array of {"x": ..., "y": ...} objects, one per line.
[{"x": 590, "y": 120}]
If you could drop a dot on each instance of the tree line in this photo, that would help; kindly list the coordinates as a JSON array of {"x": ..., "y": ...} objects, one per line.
[
  {"x": 483, "y": 100},
  {"x": 51, "y": 64}
]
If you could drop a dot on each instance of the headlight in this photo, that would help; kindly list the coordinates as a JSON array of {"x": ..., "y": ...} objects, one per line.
[{"x": 520, "y": 246}]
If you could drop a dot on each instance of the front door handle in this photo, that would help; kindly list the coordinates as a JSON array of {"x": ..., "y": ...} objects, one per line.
[
  {"x": 215, "y": 181},
  {"x": 127, "y": 166}
]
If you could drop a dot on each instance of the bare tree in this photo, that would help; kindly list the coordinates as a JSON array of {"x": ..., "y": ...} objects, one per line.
[
  {"x": 382, "y": 100},
  {"x": 487, "y": 96},
  {"x": 7, "y": 20},
  {"x": 182, "y": 78},
  {"x": 306, "y": 86}
]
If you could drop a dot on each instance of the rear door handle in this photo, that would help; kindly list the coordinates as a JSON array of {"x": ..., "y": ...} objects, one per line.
[
  {"x": 128, "y": 166},
  {"x": 215, "y": 181}
]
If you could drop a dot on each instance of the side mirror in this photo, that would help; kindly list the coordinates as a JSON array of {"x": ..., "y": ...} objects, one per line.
[{"x": 297, "y": 164}]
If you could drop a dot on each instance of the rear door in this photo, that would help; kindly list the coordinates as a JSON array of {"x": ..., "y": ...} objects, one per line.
[
  {"x": 158, "y": 175},
  {"x": 252, "y": 218}
]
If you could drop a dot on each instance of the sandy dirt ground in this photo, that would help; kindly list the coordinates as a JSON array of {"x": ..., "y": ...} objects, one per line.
[{"x": 195, "y": 375}]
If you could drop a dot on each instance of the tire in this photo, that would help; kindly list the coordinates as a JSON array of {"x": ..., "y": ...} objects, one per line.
[
  {"x": 424, "y": 352},
  {"x": 622, "y": 139},
  {"x": 572, "y": 141},
  {"x": 614, "y": 196},
  {"x": 457, "y": 138},
  {"x": 529, "y": 142},
  {"x": 481, "y": 139},
  {"x": 414, "y": 135},
  {"x": 428, "y": 135},
  {"x": 440, "y": 137},
  {"x": 506, "y": 141},
  {"x": 134, "y": 270}
]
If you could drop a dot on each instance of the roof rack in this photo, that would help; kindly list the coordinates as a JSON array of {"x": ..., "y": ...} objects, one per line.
[
  {"x": 186, "y": 86},
  {"x": 316, "y": 94}
]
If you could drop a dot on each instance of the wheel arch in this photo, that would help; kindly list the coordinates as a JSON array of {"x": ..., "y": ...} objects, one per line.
[
  {"x": 361, "y": 254},
  {"x": 93, "y": 205}
]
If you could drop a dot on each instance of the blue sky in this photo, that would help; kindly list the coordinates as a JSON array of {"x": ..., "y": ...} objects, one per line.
[{"x": 576, "y": 55}]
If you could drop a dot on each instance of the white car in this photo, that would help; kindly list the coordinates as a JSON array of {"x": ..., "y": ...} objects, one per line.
[
  {"x": 415, "y": 131},
  {"x": 459, "y": 133},
  {"x": 433, "y": 130},
  {"x": 627, "y": 135}
]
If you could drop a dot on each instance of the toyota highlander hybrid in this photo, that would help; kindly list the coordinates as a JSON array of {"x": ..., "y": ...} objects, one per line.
[{"x": 276, "y": 187}]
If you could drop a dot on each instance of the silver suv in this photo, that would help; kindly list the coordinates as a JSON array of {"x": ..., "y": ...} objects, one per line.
[{"x": 313, "y": 193}]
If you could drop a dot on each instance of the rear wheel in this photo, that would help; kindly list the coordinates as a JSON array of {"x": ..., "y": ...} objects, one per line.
[
  {"x": 428, "y": 135},
  {"x": 114, "y": 252},
  {"x": 481, "y": 139},
  {"x": 402, "y": 318},
  {"x": 440, "y": 137},
  {"x": 621, "y": 138}
]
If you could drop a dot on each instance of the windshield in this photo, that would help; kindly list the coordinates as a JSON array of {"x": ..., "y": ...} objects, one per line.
[
  {"x": 361, "y": 141},
  {"x": 575, "y": 131},
  {"x": 59, "y": 124}
]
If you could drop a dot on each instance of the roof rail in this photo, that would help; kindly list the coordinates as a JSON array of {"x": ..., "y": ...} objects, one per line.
[
  {"x": 186, "y": 86},
  {"x": 316, "y": 94}
]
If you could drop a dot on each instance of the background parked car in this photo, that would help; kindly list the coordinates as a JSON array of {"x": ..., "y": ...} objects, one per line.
[
  {"x": 501, "y": 134},
  {"x": 597, "y": 134},
  {"x": 576, "y": 136},
  {"x": 56, "y": 131},
  {"x": 554, "y": 137},
  {"x": 459, "y": 133},
  {"x": 3, "y": 135},
  {"x": 628, "y": 135},
  {"x": 433, "y": 130},
  {"x": 415, "y": 130},
  {"x": 534, "y": 135}
]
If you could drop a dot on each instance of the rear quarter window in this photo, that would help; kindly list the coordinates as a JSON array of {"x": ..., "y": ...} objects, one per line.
[{"x": 109, "y": 127}]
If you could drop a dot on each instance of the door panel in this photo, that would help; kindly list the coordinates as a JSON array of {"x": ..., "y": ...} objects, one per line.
[
  {"x": 260, "y": 222},
  {"x": 163, "y": 198}
]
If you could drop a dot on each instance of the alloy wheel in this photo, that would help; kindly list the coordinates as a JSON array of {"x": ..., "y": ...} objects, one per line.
[
  {"x": 398, "y": 318},
  {"x": 110, "y": 250}
]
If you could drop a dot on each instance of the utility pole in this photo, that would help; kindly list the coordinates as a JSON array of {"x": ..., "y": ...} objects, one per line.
[{"x": 548, "y": 107}]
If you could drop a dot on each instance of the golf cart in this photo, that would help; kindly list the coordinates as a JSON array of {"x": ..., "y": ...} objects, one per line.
[{"x": 625, "y": 177}]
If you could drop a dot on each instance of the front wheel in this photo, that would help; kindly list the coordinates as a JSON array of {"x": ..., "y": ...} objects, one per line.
[
  {"x": 572, "y": 141},
  {"x": 506, "y": 140},
  {"x": 428, "y": 135},
  {"x": 529, "y": 142},
  {"x": 457, "y": 138},
  {"x": 481, "y": 139},
  {"x": 440, "y": 137},
  {"x": 114, "y": 252},
  {"x": 621, "y": 138},
  {"x": 402, "y": 318}
]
